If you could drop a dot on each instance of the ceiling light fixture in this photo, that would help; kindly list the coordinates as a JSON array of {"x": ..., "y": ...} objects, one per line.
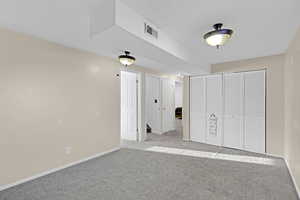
[
  {"x": 126, "y": 59},
  {"x": 219, "y": 36}
]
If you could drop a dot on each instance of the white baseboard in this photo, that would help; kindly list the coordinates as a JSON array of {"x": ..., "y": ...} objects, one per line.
[
  {"x": 157, "y": 132},
  {"x": 274, "y": 155},
  {"x": 293, "y": 178},
  {"x": 4, "y": 187}
]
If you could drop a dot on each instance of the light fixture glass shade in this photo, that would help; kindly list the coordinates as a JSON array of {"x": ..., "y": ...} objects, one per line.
[
  {"x": 218, "y": 39},
  {"x": 126, "y": 59},
  {"x": 219, "y": 36}
]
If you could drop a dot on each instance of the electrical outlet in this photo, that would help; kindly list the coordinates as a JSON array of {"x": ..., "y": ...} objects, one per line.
[{"x": 68, "y": 150}]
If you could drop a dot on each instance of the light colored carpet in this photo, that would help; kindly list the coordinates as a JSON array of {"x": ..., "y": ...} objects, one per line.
[{"x": 140, "y": 174}]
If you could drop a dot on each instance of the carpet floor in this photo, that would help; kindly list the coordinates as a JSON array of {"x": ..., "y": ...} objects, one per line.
[{"x": 154, "y": 172}]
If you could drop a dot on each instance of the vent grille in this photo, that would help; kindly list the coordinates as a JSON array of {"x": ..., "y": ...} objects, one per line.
[{"x": 150, "y": 31}]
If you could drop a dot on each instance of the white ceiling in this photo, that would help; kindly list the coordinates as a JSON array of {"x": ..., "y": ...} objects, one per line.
[{"x": 262, "y": 27}]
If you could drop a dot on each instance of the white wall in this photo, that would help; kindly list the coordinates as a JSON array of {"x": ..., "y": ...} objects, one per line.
[
  {"x": 153, "y": 110},
  {"x": 168, "y": 104},
  {"x": 178, "y": 94}
]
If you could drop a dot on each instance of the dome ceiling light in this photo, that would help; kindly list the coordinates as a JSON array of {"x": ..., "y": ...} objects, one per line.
[
  {"x": 126, "y": 59},
  {"x": 219, "y": 36}
]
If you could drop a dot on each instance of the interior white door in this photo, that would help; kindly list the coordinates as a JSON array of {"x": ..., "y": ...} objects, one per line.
[
  {"x": 233, "y": 110},
  {"x": 197, "y": 109},
  {"x": 153, "y": 103},
  {"x": 254, "y": 111},
  {"x": 128, "y": 106},
  {"x": 214, "y": 109},
  {"x": 168, "y": 105}
]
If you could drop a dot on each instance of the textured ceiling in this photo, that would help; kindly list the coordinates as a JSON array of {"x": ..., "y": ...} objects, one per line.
[{"x": 262, "y": 27}]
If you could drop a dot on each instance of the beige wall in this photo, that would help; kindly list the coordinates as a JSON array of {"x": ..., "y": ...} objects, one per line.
[
  {"x": 186, "y": 109},
  {"x": 275, "y": 99},
  {"x": 292, "y": 107},
  {"x": 52, "y": 98}
]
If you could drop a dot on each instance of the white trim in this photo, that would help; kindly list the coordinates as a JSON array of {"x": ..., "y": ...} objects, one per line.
[
  {"x": 4, "y": 187},
  {"x": 293, "y": 178},
  {"x": 126, "y": 69},
  {"x": 222, "y": 75},
  {"x": 153, "y": 75},
  {"x": 274, "y": 155},
  {"x": 158, "y": 132}
]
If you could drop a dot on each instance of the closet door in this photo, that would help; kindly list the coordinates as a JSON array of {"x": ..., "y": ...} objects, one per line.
[
  {"x": 255, "y": 111},
  {"x": 214, "y": 109},
  {"x": 197, "y": 109},
  {"x": 233, "y": 110}
]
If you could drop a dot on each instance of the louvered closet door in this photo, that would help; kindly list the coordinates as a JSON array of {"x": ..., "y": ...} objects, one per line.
[
  {"x": 197, "y": 109},
  {"x": 255, "y": 111},
  {"x": 214, "y": 109},
  {"x": 233, "y": 110}
]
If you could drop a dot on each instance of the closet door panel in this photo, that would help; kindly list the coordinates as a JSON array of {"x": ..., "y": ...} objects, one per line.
[
  {"x": 255, "y": 111},
  {"x": 214, "y": 109},
  {"x": 197, "y": 109},
  {"x": 233, "y": 110}
]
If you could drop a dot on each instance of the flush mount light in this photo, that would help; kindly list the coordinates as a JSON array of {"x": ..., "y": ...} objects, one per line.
[
  {"x": 219, "y": 36},
  {"x": 126, "y": 59}
]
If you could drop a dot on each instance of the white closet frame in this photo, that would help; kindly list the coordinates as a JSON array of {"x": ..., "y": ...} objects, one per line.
[{"x": 223, "y": 106}]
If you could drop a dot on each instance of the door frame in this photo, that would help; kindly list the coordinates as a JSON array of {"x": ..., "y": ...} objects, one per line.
[
  {"x": 141, "y": 121},
  {"x": 123, "y": 75},
  {"x": 222, "y": 73}
]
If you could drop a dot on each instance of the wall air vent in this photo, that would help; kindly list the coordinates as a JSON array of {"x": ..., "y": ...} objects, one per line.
[{"x": 149, "y": 30}]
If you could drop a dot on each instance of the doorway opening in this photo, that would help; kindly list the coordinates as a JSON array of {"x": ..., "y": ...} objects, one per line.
[
  {"x": 178, "y": 107},
  {"x": 163, "y": 99}
]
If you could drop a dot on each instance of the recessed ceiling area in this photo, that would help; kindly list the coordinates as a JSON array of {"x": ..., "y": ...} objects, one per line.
[{"x": 261, "y": 28}]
